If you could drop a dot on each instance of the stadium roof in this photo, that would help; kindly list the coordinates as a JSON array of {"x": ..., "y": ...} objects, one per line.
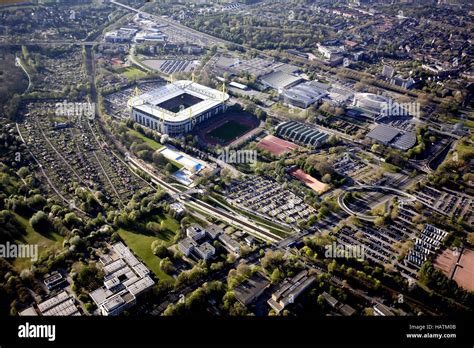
[
  {"x": 383, "y": 133},
  {"x": 148, "y": 102}
]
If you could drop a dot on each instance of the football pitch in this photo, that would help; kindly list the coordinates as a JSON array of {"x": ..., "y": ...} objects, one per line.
[{"x": 229, "y": 131}]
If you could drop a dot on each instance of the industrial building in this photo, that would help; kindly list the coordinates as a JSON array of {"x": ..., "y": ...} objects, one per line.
[
  {"x": 388, "y": 135},
  {"x": 175, "y": 108},
  {"x": 290, "y": 290},
  {"x": 301, "y": 133},
  {"x": 370, "y": 102},
  {"x": 197, "y": 241},
  {"x": 120, "y": 35},
  {"x": 402, "y": 82},
  {"x": 229, "y": 243},
  {"x": 304, "y": 94},
  {"x": 251, "y": 288},
  {"x": 279, "y": 80},
  {"x": 405, "y": 141},
  {"x": 125, "y": 278},
  {"x": 383, "y": 134}
]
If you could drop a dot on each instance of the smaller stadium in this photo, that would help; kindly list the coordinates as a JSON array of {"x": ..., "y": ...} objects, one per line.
[
  {"x": 176, "y": 108},
  {"x": 227, "y": 128}
]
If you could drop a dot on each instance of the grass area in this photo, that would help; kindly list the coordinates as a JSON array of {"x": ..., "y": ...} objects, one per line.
[
  {"x": 388, "y": 167},
  {"x": 150, "y": 142},
  {"x": 47, "y": 243},
  {"x": 464, "y": 149},
  {"x": 140, "y": 243},
  {"x": 133, "y": 73},
  {"x": 229, "y": 131}
]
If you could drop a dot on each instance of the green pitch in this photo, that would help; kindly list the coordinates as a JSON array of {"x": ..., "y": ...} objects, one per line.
[{"x": 228, "y": 131}]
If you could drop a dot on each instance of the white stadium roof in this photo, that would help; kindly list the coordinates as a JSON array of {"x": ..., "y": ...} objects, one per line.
[{"x": 149, "y": 102}]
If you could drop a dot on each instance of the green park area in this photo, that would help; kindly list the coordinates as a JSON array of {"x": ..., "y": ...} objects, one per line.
[
  {"x": 150, "y": 142},
  {"x": 140, "y": 240},
  {"x": 133, "y": 73},
  {"x": 47, "y": 243}
]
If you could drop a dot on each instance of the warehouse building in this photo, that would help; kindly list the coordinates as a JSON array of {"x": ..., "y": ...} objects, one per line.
[
  {"x": 390, "y": 136},
  {"x": 301, "y": 133},
  {"x": 304, "y": 94},
  {"x": 279, "y": 80}
]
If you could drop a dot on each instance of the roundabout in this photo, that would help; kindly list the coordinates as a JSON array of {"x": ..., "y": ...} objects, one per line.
[{"x": 340, "y": 200}]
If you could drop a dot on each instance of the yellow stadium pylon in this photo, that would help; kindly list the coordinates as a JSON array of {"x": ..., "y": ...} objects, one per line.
[{"x": 193, "y": 77}]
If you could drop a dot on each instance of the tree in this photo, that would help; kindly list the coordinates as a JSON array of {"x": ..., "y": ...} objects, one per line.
[
  {"x": 326, "y": 178},
  {"x": 40, "y": 222},
  {"x": 379, "y": 222},
  {"x": 332, "y": 266},
  {"x": 169, "y": 168},
  {"x": 89, "y": 278},
  {"x": 160, "y": 249},
  {"x": 158, "y": 159},
  {"x": 166, "y": 265},
  {"x": 276, "y": 275}
]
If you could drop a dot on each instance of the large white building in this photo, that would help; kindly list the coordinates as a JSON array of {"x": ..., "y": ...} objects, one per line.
[
  {"x": 371, "y": 102},
  {"x": 177, "y": 107}
]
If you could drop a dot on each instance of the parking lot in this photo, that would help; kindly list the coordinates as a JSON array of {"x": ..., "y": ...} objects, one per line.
[
  {"x": 117, "y": 103},
  {"x": 452, "y": 204},
  {"x": 426, "y": 244},
  {"x": 265, "y": 196},
  {"x": 170, "y": 66}
]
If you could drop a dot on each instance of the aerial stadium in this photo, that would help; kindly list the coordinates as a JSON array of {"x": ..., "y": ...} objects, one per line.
[{"x": 177, "y": 107}]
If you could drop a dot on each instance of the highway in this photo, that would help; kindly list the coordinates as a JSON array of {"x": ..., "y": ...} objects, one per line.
[{"x": 205, "y": 39}]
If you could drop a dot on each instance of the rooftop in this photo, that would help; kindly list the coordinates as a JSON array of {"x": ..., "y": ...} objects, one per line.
[
  {"x": 178, "y": 101},
  {"x": 383, "y": 133}
]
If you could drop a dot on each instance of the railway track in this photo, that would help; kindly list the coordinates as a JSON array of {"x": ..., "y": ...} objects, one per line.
[{"x": 198, "y": 204}]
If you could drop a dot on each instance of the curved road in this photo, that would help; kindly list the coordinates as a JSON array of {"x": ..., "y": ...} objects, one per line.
[{"x": 342, "y": 204}]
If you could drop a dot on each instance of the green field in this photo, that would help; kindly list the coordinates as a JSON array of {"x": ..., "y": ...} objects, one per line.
[
  {"x": 140, "y": 243},
  {"x": 150, "y": 142},
  {"x": 46, "y": 243},
  {"x": 133, "y": 73},
  {"x": 229, "y": 131}
]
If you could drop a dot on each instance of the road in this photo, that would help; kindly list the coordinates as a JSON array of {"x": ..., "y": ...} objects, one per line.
[
  {"x": 206, "y": 39},
  {"x": 235, "y": 219},
  {"x": 342, "y": 204}
]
